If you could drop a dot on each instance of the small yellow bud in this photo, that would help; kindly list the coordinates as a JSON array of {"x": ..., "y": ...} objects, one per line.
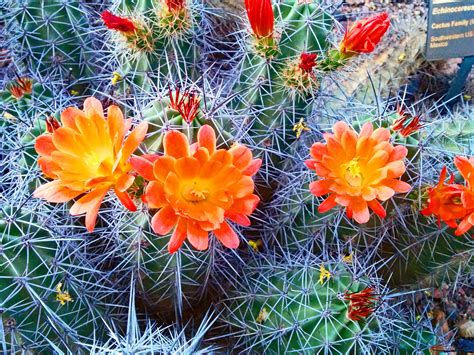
[
  {"x": 347, "y": 259},
  {"x": 62, "y": 296},
  {"x": 255, "y": 244},
  {"x": 299, "y": 128},
  {"x": 324, "y": 274},
  {"x": 116, "y": 77},
  {"x": 262, "y": 316}
]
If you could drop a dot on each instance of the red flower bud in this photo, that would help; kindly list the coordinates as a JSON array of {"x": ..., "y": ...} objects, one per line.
[
  {"x": 406, "y": 124},
  {"x": 117, "y": 23},
  {"x": 361, "y": 304},
  {"x": 260, "y": 14},
  {"x": 308, "y": 61},
  {"x": 52, "y": 124},
  {"x": 364, "y": 35},
  {"x": 175, "y": 5}
]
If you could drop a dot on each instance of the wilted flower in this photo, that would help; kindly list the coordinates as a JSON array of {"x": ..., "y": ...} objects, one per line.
[
  {"x": 364, "y": 35},
  {"x": 406, "y": 124},
  {"x": 197, "y": 188},
  {"x": 454, "y": 202},
  {"x": 88, "y": 155},
  {"x": 361, "y": 304},
  {"x": 357, "y": 170},
  {"x": 186, "y": 103},
  {"x": 20, "y": 87},
  {"x": 260, "y": 14},
  {"x": 117, "y": 23}
]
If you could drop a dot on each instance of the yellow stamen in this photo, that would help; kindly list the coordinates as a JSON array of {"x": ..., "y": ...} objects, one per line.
[
  {"x": 63, "y": 296},
  {"x": 324, "y": 274}
]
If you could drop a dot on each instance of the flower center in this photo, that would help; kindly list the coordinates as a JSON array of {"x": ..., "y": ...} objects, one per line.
[
  {"x": 194, "y": 193},
  {"x": 353, "y": 173}
]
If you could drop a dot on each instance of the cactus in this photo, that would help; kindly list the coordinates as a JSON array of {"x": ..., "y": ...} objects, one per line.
[
  {"x": 302, "y": 306},
  {"x": 162, "y": 48},
  {"x": 54, "y": 41},
  {"x": 46, "y": 303}
]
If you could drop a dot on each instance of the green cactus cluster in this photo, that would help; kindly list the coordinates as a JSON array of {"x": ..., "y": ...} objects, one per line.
[{"x": 299, "y": 280}]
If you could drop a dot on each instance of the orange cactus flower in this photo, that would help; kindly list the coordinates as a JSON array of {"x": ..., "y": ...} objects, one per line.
[
  {"x": 117, "y": 23},
  {"x": 357, "y": 170},
  {"x": 453, "y": 202},
  {"x": 261, "y": 18},
  {"x": 364, "y": 35},
  {"x": 88, "y": 155},
  {"x": 198, "y": 188}
]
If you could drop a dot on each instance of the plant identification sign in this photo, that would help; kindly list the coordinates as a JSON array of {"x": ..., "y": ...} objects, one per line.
[{"x": 450, "y": 29}]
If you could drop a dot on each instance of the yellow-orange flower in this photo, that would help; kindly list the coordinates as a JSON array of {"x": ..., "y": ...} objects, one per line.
[
  {"x": 357, "y": 170},
  {"x": 88, "y": 155},
  {"x": 198, "y": 188}
]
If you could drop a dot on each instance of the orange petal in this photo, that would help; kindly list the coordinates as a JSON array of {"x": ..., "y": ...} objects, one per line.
[
  {"x": 238, "y": 218},
  {"x": 162, "y": 167},
  {"x": 253, "y": 167},
  {"x": 207, "y": 138},
  {"x": 143, "y": 167},
  {"x": 44, "y": 145},
  {"x": 227, "y": 236},
  {"x": 320, "y": 187},
  {"x": 116, "y": 126},
  {"x": 198, "y": 238},
  {"x": 463, "y": 227},
  {"x": 367, "y": 130},
  {"x": 93, "y": 106},
  {"x": 377, "y": 208},
  {"x": 187, "y": 167},
  {"x": 241, "y": 156},
  {"x": 55, "y": 192},
  {"x": 381, "y": 134},
  {"x": 155, "y": 195},
  {"x": 384, "y": 193},
  {"x": 69, "y": 115},
  {"x": 64, "y": 140},
  {"x": 466, "y": 168},
  {"x": 245, "y": 205},
  {"x": 90, "y": 204},
  {"x": 164, "y": 220},
  {"x": 124, "y": 182},
  {"x": 133, "y": 141},
  {"x": 176, "y": 144},
  {"x": 243, "y": 187},
  {"x": 397, "y": 185},
  {"x": 399, "y": 152},
  {"x": 48, "y": 167},
  {"x": 339, "y": 128},
  {"x": 395, "y": 169},
  {"x": 178, "y": 237},
  {"x": 327, "y": 204},
  {"x": 125, "y": 200},
  {"x": 360, "y": 212}
]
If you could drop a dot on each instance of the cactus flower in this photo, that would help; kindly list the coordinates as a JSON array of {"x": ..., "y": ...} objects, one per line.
[
  {"x": 308, "y": 62},
  {"x": 260, "y": 14},
  {"x": 117, "y": 23},
  {"x": 361, "y": 304},
  {"x": 454, "y": 202},
  {"x": 21, "y": 87},
  {"x": 406, "y": 124},
  {"x": 364, "y": 35},
  {"x": 357, "y": 170},
  {"x": 175, "y": 5},
  {"x": 198, "y": 188},
  {"x": 88, "y": 156},
  {"x": 186, "y": 103}
]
